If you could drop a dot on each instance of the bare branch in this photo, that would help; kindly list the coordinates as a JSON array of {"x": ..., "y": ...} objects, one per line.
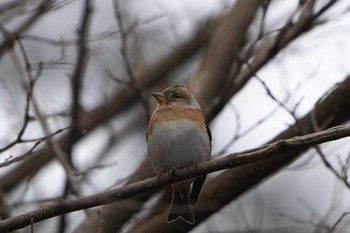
[
  {"x": 332, "y": 229},
  {"x": 152, "y": 184},
  {"x": 77, "y": 80},
  {"x": 224, "y": 45},
  {"x": 30, "y": 152},
  {"x": 125, "y": 57},
  {"x": 44, "y": 7},
  {"x": 77, "y": 77},
  {"x": 286, "y": 35}
]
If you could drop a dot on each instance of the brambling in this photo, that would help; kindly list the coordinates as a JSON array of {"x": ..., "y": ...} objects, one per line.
[{"x": 178, "y": 137}]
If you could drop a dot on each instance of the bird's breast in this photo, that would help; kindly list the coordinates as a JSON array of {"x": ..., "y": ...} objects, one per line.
[
  {"x": 177, "y": 141},
  {"x": 169, "y": 115}
]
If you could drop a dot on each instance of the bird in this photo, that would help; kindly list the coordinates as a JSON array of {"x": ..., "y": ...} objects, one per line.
[{"x": 178, "y": 137}]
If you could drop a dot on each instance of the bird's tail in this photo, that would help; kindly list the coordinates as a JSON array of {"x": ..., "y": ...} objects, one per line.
[{"x": 180, "y": 204}]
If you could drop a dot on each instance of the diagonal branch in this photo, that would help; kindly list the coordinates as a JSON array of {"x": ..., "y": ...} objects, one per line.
[
  {"x": 289, "y": 33},
  {"x": 230, "y": 161},
  {"x": 221, "y": 53}
]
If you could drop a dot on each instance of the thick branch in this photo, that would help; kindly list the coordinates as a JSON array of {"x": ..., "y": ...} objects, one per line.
[
  {"x": 151, "y": 184},
  {"x": 224, "y": 45}
]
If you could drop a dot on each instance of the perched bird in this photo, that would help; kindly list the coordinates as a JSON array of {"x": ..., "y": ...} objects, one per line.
[{"x": 178, "y": 137}]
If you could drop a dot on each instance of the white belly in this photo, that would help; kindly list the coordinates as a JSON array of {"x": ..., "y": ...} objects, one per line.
[{"x": 177, "y": 145}]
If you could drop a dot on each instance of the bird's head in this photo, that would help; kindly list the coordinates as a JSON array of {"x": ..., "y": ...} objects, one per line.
[{"x": 176, "y": 96}]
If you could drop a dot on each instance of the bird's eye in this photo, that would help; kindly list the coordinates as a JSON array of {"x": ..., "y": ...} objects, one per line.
[{"x": 175, "y": 95}]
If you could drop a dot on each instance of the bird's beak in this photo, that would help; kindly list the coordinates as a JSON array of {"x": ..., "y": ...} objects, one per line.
[{"x": 159, "y": 97}]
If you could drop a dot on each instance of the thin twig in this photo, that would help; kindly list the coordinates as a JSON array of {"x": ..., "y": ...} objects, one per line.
[
  {"x": 315, "y": 126},
  {"x": 44, "y": 7},
  {"x": 286, "y": 35},
  {"x": 126, "y": 60},
  {"x": 29, "y": 153},
  {"x": 24, "y": 68},
  {"x": 332, "y": 229}
]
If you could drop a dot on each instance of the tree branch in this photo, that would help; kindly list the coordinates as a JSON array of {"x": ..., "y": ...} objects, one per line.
[
  {"x": 221, "y": 53},
  {"x": 44, "y": 7},
  {"x": 266, "y": 53},
  {"x": 230, "y": 161}
]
